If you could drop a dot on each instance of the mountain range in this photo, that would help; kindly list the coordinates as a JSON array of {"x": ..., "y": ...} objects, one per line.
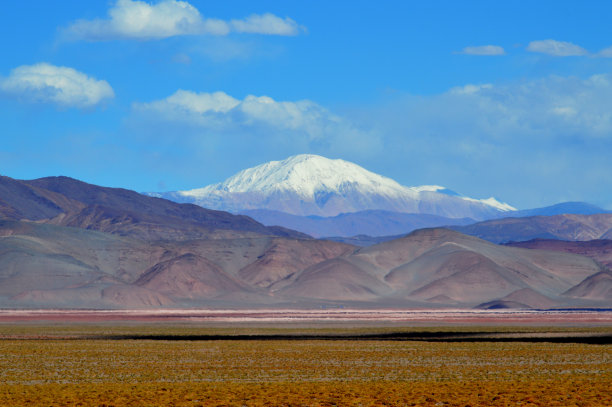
[
  {"x": 560, "y": 227},
  {"x": 45, "y": 265},
  {"x": 308, "y": 184},
  {"x": 339, "y": 199},
  {"x": 369, "y": 222},
  {"x": 65, "y": 243},
  {"x": 68, "y": 202},
  {"x": 568, "y": 227},
  {"x": 597, "y": 249}
]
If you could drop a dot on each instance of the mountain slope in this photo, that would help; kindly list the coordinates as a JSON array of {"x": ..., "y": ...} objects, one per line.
[
  {"x": 563, "y": 208},
  {"x": 19, "y": 200},
  {"x": 43, "y": 265},
  {"x": 379, "y": 223},
  {"x": 597, "y": 286},
  {"x": 48, "y": 264},
  {"x": 440, "y": 266},
  {"x": 336, "y": 279},
  {"x": 531, "y": 298},
  {"x": 283, "y": 257},
  {"x": 370, "y": 222},
  {"x": 314, "y": 185},
  {"x": 562, "y": 227},
  {"x": 433, "y": 259},
  {"x": 522, "y": 298},
  {"x": 69, "y": 202},
  {"x": 600, "y": 250},
  {"x": 189, "y": 276}
]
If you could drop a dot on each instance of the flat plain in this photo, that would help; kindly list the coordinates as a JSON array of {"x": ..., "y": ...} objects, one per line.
[{"x": 116, "y": 363}]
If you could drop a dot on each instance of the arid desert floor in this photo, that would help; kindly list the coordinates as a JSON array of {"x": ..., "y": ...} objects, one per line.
[{"x": 322, "y": 358}]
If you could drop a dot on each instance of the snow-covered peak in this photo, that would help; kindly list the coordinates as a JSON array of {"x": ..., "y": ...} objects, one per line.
[
  {"x": 502, "y": 206},
  {"x": 309, "y": 184},
  {"x": 428, "y": 188},
  {"x": 305, "y": 175},
  {"x": 434, "y": 188}
]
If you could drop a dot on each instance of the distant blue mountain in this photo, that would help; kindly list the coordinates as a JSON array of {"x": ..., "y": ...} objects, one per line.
[
  {"x": 572, "y": 227},
  {"x": 368, "y": 227},
  {"x": 370, "y": 222},
  {"x": 575, "y": 208}
]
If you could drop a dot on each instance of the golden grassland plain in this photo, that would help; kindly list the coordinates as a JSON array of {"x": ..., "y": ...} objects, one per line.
[{"x": 117, "y": 365}]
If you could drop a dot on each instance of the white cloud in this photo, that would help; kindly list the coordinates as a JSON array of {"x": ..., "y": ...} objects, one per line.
[
  {"x": 470, "y": 89},
  {"x": 564, "y": 111},
  {"x": 484, "y": 50},
  {"x": 59, "y": 85},
  {"x": 195, "y": 103},
  {"x": 181, "y": 58},
  {"x": 264, "y": 121},
  {"x": 606, "y": 53},
  {"x": 556, "y": 48},
  {"x": 132, "y": 19},
  {"x": 549, "y": 107},
  {"x": 208, "y": 109},
  {"x": 266, "y": 24},
  {"x": 524, "y": 142}
]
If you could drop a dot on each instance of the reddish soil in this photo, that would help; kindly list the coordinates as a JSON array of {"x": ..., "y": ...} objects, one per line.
[{"x": 429, "y": 317}]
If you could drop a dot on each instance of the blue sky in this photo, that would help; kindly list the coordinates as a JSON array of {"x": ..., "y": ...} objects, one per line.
[{"x": 506, "y": 99}]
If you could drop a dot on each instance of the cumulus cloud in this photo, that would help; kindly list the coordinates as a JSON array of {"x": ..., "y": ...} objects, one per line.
[
  {"x": 556, "y": 48},
  {"x": 191, "y": 103},
  {"x": 266, "y": 24},
  {"x": 483, "y": 50},
  {"x": 220, "y": 109},
  {"x": 140, "y": 20},
  {"x": 606, "y": 53},
  {"x": 552, "y": 107},
  {"x": 59, "y": 85},
  {"x": 260, "y": 120},
  {"x": 469, "y": 89}
]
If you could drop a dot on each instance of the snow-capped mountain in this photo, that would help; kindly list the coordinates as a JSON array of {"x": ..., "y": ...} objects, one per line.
[{"x": 313, "y": 185}]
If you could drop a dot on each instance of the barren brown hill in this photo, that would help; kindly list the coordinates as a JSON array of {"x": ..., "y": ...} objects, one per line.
[
  {"x": 562, "y": 227},
  {"x": 69, "y": 202},
  {"x": 596, "y": 287},
  {"x": 431, "y": 263},
  {"x": 284, "y": 257},
  {"x": 19, "y": 200},
  {"x": 530, "y": 297},
  {"x": 50, "y": 265},
  {"x": 523, "y": 298},
  {"x": 440, "y": 266},
  {"x": 43, "y": 265},
  {"x": 92, "y": 296},
  {"x": 600, "y": 249},
  {"x": 336, "y": 279},
  {"x": 460, "y": 275},
  {"x": 153, "y": 227},
  {"x": 189, "y": 276},
  {"x": 59, "y": 266}
]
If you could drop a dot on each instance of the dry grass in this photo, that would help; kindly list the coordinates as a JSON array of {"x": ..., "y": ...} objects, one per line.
[{"x": 55, "y": 372}]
